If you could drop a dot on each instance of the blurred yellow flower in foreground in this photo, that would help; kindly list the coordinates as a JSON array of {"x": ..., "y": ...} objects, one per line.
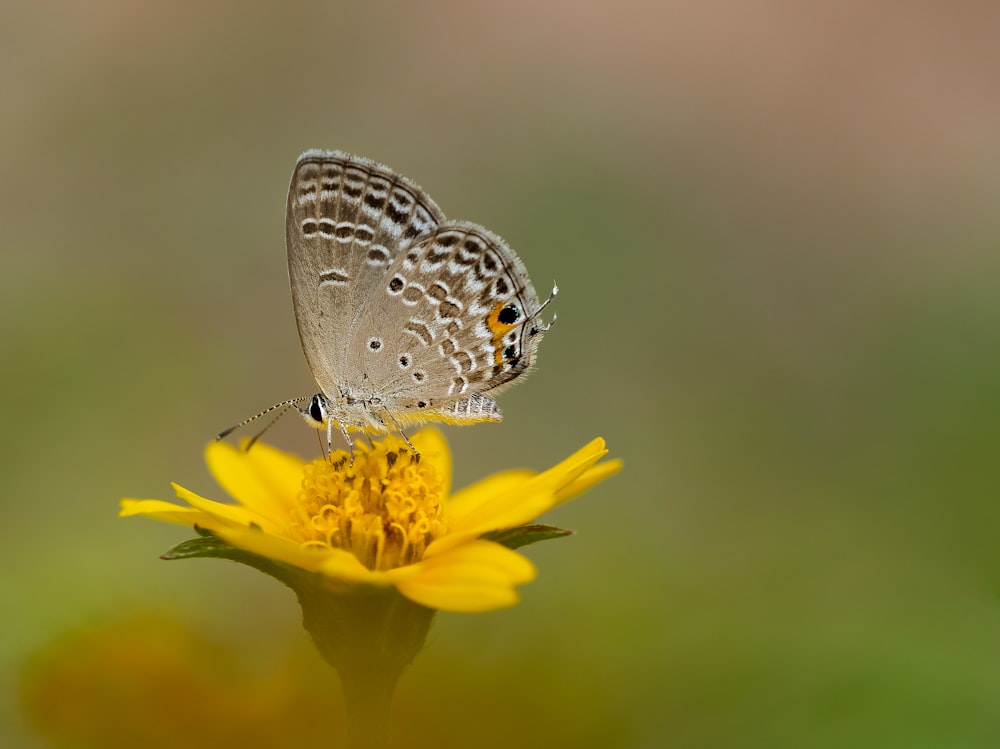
[
  {"x": 148, "y": 680},
  {"x": 387, "y": 520}
]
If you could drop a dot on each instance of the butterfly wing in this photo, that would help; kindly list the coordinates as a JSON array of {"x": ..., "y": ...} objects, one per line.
[
  {"x": 347, "y": 221},
  {"x": 453, "y": 320}
]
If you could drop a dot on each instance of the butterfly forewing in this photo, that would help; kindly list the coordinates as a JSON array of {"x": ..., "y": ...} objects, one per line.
[{"x": 347, "y": 220}]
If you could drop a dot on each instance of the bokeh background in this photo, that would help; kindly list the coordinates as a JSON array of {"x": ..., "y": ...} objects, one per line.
[{"x": 775, "y": 229}]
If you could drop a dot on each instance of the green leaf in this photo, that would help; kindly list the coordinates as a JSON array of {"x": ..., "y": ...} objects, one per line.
[
  {"x": 205, "y": 546},
  {"x": 211, "y": 546},
  {"x": 523, "y": 535}
]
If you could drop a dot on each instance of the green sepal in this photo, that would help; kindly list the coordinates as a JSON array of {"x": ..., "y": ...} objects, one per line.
[
  {"x": 208, "y": 545},
  {"x": 523, "y": 535}
]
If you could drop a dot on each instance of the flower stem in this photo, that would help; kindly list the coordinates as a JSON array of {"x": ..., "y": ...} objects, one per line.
[
  {"x": 369, "y": 707},
  {"x": 370, "y": 635}
]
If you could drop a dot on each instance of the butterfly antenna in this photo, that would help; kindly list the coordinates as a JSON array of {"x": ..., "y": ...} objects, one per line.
[
  {"x": 283, "y": 405},
  {"x": 271, "y": 423}
]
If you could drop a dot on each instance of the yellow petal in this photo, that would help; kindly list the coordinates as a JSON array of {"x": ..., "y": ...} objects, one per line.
[
  {"x": 273, "y": 547},
  {"x": 262, "y": 478},
  {"x": 225, "y": 513},
  {"x": 477, "y": 576},
  {"x": 507, "y": 511},
  {"x": 434, "y": 447},
  {"x": 554, "y": 480},
  {"x": 536, "y": 495},
  {"x": 157, "y": 508},
  {"x": 519, "y": 504},
  {"x": 593, "y": 475},
  {"x": 467, "y": 501},
  {"x": 160, "y": 510},
  {"x": 341, "y": 564},
  {"x": 566, "y": 471},
  {"x": 337, "y": 564}
]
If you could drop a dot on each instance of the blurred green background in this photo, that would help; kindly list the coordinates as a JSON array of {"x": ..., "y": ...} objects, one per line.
[{"x": 775, "y": 230}]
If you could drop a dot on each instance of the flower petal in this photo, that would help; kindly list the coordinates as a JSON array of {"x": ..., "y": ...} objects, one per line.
[
  {"x": 273, "y": 547},
  {"x": 476, "y": 576},
  {"x": 228, "y": 514},
  {"x": 262, "y": 478},
  {"x": 593, "y": 475},
  {"x": 341, "y": 564},
  {"x": 337, "y": 564},
  {"x": 517, "y": 504},
  {"x": 502, "y": 511},
  {"x": 466, "y": 502},
  {"x": 566, "y": 471},
  {"x": 157, "y": 508},
  {"x": 539, "y": 494},
  {"x": 434, "y": 447}
]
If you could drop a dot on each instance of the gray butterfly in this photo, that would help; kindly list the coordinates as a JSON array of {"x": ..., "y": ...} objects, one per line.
[{"x": 404, "y": 316}]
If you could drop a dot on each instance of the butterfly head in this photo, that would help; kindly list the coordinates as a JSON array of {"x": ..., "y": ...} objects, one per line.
[{"x": 316, "y": 411}]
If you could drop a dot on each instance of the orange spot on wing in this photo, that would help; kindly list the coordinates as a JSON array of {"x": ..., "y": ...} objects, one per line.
[{"x": 499, "y": 330}]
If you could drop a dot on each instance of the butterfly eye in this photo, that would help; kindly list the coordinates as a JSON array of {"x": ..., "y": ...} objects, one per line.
[{"x": 316, "y": 410}]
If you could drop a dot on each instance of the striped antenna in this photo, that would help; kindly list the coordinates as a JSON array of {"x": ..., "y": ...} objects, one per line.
[{"x": 283, "y": 407}]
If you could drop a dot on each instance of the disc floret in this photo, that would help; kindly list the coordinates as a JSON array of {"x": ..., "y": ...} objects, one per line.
[{"x": 386, "y": 508}]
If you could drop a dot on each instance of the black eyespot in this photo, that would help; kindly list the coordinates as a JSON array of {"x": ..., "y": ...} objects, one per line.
[
  {"x": 421, "y": 404},
  {"x": 404, "y": 361},
  {"x": 316, "y": 409},
  {"x": 374, "y": 344},
  {"x": 509, "y": 315},
  {"x": 396, "y": 284},
  {"x": 510, "y": 352}
]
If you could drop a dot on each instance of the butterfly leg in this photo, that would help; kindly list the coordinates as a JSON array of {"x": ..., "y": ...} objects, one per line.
[
  {"x": 416, "y": 453},
  {"x": 343, "y": 431}
]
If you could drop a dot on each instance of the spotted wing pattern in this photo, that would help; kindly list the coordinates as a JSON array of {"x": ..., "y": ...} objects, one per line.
[
  {"x": 399, "y": 311},
  {"x": 452, "y": 322},
  {"x": 347, "y": 220}
]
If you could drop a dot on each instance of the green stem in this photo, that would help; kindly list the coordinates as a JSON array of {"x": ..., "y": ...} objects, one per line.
[
  {"x": 369, "y": 708},
  {"x": 370, "y": 635}
]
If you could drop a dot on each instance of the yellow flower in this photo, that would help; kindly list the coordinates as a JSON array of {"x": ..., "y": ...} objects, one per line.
[
  {"x": 149, "y": 681},
  {"x": 386, "y": 521}
]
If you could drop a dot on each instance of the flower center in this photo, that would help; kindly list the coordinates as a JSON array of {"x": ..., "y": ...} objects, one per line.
[{"x": 385, "y": 509}]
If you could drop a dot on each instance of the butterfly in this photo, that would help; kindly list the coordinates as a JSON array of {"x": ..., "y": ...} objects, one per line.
[{"x": 404, "y": 316}]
